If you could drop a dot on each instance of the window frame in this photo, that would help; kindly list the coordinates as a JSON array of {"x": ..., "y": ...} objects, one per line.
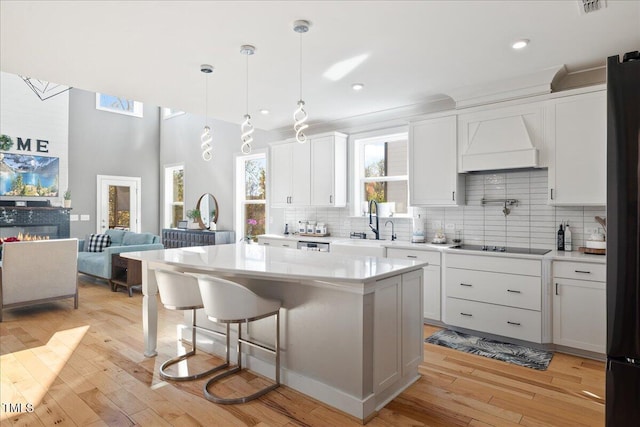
[
  {"x": 357, "y": 178},
  {"x": 239, "y": 191},
  {"x": 168, "y": 202}
]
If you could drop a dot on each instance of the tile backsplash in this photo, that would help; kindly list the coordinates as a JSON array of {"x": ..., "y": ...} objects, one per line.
[{"x": 531, "y": 223}]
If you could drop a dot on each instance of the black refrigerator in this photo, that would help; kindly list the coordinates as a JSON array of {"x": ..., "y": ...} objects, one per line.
[{"x": 623, "y": 241}]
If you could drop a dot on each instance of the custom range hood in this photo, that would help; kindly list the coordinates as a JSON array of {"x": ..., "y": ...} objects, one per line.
[{"x": 499, "y": 143}]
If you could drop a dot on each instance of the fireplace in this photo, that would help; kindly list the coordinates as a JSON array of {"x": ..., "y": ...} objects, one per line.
[{"x": 45, "y": 222}]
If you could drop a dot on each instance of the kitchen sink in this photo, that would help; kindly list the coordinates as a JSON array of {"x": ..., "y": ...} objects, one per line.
[{"x": 366, "y": 247}]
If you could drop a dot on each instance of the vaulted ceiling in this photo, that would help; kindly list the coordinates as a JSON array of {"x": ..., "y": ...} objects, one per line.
[{"x": 410, "y": 52}]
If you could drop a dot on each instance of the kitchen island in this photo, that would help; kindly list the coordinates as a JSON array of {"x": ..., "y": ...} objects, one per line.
[{"x": 351, "y": 327}]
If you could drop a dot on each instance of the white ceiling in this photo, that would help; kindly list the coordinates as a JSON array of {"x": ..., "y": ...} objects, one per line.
[{"x": 417, "y": 51}]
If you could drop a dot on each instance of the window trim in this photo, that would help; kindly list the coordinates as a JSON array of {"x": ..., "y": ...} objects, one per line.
[
  {"x": 356, "y": 152},
  {"x": 166, "y": 211},
  {"x": 238, "y": 194}
]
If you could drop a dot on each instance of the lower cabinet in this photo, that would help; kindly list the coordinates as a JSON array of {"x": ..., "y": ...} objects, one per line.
[
  {"x": 431, "y": 300},
  {"x": 579, "y": 305},
  {"x": 283, "y": 243},
  {"x": 496, "y": 295}
]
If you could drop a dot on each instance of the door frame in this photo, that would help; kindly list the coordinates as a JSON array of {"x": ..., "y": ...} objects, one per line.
[{"x": 133, "y": 182}]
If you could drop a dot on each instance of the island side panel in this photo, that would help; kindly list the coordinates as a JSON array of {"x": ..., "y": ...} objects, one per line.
[{"x": 149, "y": 310}]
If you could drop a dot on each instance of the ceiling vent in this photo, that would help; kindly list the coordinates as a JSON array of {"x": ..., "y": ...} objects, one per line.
[{"x": 589, "y": 6}]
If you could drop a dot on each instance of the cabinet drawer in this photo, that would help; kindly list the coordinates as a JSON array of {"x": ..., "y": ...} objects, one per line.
[
  {"x": 495, "y": 319},
  {"x": 496, "y": 288},
  {"x": 580, "y": 271},
  {"x": 433, "y": 258},
  {"x": 529, "y": 267}
]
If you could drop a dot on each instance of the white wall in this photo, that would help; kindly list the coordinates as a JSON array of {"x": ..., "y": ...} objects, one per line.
[
  {"x": 180, "y": 143},
  {"x": 24, "y": 115}
]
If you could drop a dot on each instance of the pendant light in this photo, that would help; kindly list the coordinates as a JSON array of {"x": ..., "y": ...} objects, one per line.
[
  {"x": 205, "y": 138},
  {"x": 300, "y": 115},
  {"x": 246, "y": 128}
]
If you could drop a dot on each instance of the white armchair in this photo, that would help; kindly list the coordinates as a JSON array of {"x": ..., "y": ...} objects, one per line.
[{"x": 38, "y": 272}]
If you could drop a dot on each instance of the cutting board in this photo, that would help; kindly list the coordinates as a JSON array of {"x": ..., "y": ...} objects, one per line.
[{"x": 592, "y": 251}]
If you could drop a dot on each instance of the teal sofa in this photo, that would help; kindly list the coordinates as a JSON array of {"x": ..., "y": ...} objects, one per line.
[{"x": 99, "y": 263}]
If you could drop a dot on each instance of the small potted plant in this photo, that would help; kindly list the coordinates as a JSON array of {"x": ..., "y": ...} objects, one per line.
[
  {"x": 67, "y": 199},
  {"x": 194, "y": 216}
]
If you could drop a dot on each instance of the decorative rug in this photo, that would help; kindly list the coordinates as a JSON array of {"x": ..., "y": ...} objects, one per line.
[{"x": 512, "y": 353}]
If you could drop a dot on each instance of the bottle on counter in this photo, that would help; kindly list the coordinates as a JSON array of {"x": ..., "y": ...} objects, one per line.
[
  {"x": 561, "y": 238},
  {"x": 567, "y": 238}
]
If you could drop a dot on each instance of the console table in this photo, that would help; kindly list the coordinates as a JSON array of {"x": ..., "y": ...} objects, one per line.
[
  {"x": 179, "y": 238},
  {"x": 125, "y": 272}
]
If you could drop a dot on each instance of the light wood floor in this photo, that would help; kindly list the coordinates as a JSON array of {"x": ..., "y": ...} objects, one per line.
[{"x": 85, "y": 368}]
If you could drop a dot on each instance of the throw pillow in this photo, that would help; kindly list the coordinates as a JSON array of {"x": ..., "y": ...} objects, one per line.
[
  {"x": 97, "y": 242},
  {"x": 116, "y": 236}
]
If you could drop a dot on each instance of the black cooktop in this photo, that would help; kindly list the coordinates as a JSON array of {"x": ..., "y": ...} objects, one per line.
[{"x": 502, "y": 249}]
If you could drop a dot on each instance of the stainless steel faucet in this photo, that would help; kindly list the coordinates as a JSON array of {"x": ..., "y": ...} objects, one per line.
[
  {"x": 393, "y": 228},
  {"x": 377, "y": 227}
]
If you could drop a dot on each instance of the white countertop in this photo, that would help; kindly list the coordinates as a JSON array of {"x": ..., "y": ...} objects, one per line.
[
  {"x": 554, "y": 254},
  {"x": 268, "y": 262}
]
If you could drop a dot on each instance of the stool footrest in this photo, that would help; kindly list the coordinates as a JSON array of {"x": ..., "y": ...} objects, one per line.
[
  {"x": 232, "y": 401},
  {"x": 165, "y": 376}
]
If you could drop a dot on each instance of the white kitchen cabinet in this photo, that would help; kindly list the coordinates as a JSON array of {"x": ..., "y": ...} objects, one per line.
[
  {"x": 431, "y": 292},
  {"x": 289, "y": 174},
  {"x": 578, "y": 169},
  {"x": 278, "y": 242},
  {"x": 329, "y": 170},
  {"x": 433, "y": 177},
  {"x": 494, "y": 294},
  {"x": 314, "y": 173},
  {"x": 579, "y": 305}
]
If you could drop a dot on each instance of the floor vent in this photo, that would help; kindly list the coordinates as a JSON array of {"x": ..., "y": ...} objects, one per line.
[{"x": 589, "y": 6}]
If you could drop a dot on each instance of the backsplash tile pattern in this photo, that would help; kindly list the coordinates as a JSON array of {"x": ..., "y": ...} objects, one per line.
[{"x": 530, "y": 224}]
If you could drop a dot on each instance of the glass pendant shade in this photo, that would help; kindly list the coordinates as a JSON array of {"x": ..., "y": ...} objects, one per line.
[
  {"x": 206, "y": 138},
  {"x": 246, "y": 128}
]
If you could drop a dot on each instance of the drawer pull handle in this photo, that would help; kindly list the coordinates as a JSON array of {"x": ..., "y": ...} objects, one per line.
[
  {"x": 466, "y": 284},
  {"x": 557, "y": 289},
  {"x": 285, "y": 246},
  {"x": 582, "y": 271},
  {"x": 467, "y": 314},
  {"x": 412, "y": 256},
  {"x": 513, "y": 323},
  {"x": 266, "y": 244},
  {"x": 513, "y": 292}
]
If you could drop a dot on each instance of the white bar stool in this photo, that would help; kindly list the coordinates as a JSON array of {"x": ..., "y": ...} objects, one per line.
[
  {"x": 230, "y": 302},
  {"x": 179, "y": 291}
]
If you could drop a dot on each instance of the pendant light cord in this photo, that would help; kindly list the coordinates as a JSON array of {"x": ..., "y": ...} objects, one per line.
[
  {"x": 206, "y": 98},
  {"x": 300, "y": 65},
  {"x": 247, "y": 85}
]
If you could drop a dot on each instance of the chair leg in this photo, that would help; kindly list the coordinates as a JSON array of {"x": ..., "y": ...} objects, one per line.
[
  {"x": 174, "y": 360},
  {"x": 216, "y": 399}
]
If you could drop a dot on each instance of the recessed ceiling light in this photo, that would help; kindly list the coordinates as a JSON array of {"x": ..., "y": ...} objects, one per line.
[
  {"x": 264, "y": 111},
  {"x": 357, "y": 86},
  {"x": 519, "y": 44}
]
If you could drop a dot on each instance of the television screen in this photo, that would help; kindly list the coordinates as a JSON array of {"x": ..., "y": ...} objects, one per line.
[{"x": 28, "y": 176}]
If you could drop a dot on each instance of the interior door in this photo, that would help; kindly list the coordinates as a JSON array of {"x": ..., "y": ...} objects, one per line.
[{"x": 118, "y": 203}]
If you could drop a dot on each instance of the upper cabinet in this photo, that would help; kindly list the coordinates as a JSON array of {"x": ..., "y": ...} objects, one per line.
[
  {"x": 314, "y": 173},
  {"x": 433, "y": 177},
  {"x": 289, "y": 170},
  {"x": 329, "y": 170},
  {"x": 508, "y": 137},
  {"x": 578, "y": 136}
]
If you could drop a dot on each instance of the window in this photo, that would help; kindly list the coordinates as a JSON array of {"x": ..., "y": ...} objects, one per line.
[
  {"x": 251, "y": 189},
  {"x": 381, "y": 172},
  {"x": 173, "y": 195}
]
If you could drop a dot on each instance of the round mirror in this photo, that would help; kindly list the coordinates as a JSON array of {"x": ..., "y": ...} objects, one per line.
[{"x": 208, "y": 207}]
